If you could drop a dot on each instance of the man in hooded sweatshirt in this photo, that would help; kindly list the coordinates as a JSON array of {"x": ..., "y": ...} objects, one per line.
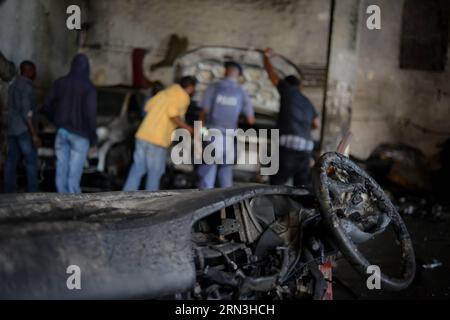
[{"x": 71, "y": 105}]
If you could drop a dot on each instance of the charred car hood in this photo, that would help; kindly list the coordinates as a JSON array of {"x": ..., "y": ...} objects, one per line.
[{"x": 127, "y": 245}]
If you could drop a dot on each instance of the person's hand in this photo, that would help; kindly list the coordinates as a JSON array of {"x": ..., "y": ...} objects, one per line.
[
  {"x": 37, "y": 142},
  {"x": 190, "y": 129},
  {"x": 268, "y": 52}
]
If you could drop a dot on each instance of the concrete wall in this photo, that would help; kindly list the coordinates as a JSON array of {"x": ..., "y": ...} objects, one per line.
[
  {"x": 297, "y": 29},
  {"x": 386, "y": 98},
  {"x": 36, "y": 30},
  {"x": 341, "y": 73}
]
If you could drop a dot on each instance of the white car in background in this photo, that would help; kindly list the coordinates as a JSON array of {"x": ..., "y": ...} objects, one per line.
[
  {"x": 119, "y": 114},
  {"x": 206, "y": 64}
]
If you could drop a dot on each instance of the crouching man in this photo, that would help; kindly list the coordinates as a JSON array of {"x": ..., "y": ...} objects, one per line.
[{"x": 154, "y": 137}]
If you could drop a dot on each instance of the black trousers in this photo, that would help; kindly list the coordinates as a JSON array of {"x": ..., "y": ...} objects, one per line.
[{"x": 293, "y": 164}]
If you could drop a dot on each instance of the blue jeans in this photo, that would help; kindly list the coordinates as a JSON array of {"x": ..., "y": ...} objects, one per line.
[
  {"x": 223, "y": 173},
  {"x": 71, "y": 154},
  {"x": 21, "y": 145},
  {"x": 208, "y": 173},
  {"x": 148, "y": 159}
]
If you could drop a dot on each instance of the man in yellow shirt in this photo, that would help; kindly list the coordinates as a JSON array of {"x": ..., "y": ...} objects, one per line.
[{"x": 154, "y": 137}]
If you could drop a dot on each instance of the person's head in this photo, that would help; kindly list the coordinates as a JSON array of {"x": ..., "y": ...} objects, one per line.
[
  {"x": 80, "y": 66},
  {"x": 293, "y": 81},
  {"x": 28, "y": 70},
  {"x": 233, "y": 70},
  {"x": 156, "y": 87},
  {"x": 188, "y": 83}
]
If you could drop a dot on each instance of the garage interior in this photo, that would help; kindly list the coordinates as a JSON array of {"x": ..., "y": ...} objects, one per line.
[{"x": 388, "y": 87}]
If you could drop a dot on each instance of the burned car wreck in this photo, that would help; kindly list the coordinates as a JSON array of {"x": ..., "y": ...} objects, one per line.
[{"x": 246, "y": 242}]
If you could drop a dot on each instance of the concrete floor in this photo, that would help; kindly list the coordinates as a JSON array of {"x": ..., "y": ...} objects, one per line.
[{"x": 431, "y": 241}]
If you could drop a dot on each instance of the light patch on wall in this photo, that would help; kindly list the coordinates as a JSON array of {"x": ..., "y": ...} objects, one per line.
[
  {"x": 100, "y": 77},
  {"x": 323, "y": 16}
]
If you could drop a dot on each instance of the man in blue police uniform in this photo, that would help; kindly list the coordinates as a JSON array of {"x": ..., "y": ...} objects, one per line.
[
  {"x": 296, "y": 120},
  {"x": 222, "y": 106}
]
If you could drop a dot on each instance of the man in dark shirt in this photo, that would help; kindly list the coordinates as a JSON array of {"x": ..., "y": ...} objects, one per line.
[
  {"x": 296, "y": 120},
  {"x": 72, "y": 105},
  {"x": 22, "y": 137}
]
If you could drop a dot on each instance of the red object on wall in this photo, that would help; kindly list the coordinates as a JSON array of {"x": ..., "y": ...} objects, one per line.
[{"x": 139, "y": 79}]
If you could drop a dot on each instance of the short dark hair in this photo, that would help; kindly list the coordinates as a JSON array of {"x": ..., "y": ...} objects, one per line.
[
  {"x": 187, "y": 82},
  {"x": 26, "y": 64},
  {"x": 233, "y": 64},
  {"x": 156, "y": 87},
  {"x": 293, "y": 81}
]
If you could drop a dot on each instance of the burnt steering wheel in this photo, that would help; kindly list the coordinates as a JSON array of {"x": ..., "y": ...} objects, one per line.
[{"x": 356, "y": 209}]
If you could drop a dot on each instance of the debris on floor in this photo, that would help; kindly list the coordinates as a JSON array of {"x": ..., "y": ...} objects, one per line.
[
  {"x": 402, "y": 166},
  {"x": 423, "y": 207},
  {"x": 432, "y": 265}
]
